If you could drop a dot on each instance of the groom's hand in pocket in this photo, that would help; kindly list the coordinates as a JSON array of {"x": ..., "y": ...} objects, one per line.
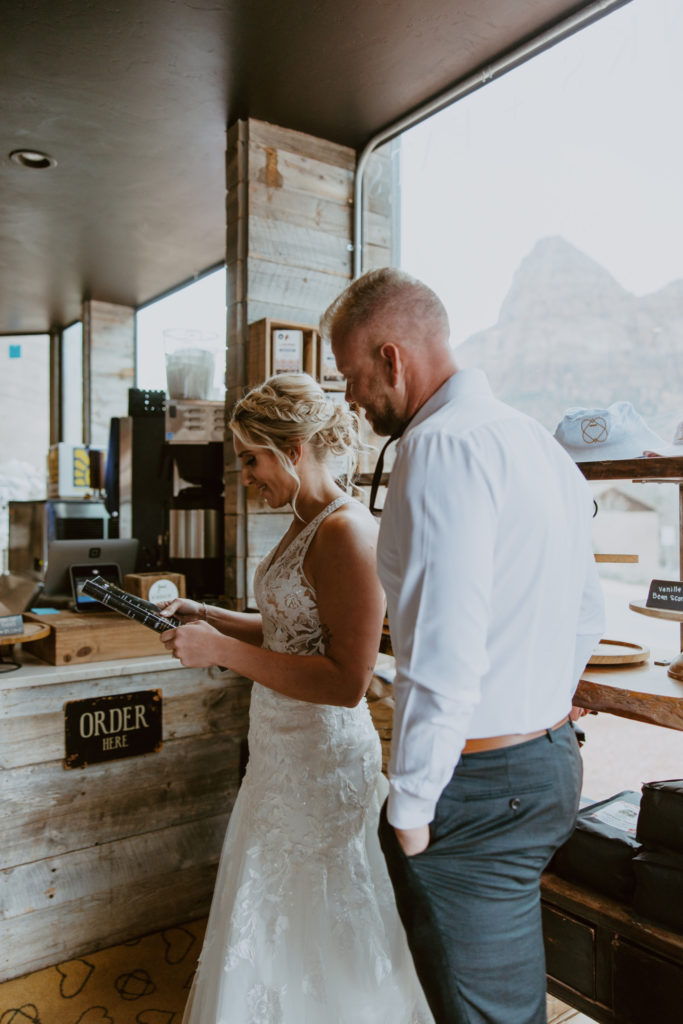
[{"x": 413, "y": 840}]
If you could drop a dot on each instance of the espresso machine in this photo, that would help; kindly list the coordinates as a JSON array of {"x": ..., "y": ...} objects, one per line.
[{"x": 194, "y": 430}]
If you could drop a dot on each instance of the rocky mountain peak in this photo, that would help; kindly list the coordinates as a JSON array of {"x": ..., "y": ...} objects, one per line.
[{"x": 556, "y": 278}]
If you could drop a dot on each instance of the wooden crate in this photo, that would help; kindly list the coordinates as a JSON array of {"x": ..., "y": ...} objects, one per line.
[
  {"x": 75, "y": 638},
  {"x": 140, "y": 583},
  {"x": 260, "y": 364}
]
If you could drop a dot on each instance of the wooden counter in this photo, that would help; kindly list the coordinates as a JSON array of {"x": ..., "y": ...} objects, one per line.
[
  {"x": 642, "y": 692},
  {"x": 97, "y": 855}
]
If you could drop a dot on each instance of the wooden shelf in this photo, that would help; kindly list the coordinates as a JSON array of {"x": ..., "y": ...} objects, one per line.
[
  {"x": 655, "y": 613},
  {"x": 616, "y": 558},
  {"x": 669, "y": 470},
  {"x": 659, "y": 469}
]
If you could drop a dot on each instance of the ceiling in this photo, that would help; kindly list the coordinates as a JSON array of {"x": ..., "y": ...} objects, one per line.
[{"x": 132, "y": 99}]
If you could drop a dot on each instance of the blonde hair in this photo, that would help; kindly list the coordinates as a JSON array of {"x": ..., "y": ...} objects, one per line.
[{"x": 292, "y": 408}]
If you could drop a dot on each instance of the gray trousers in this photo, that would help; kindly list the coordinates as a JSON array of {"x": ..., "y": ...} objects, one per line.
[{"x": 470, "y": 903}]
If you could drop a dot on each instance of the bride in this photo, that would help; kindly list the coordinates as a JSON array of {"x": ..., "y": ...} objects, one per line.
[{"x": 303, "y": 927}]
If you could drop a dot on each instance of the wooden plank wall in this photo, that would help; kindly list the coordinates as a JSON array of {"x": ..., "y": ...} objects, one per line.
[
  {"x": 108, "y": 366},
  {"x": 289, "y": 254},
  {"x": 99, "y": 855}
]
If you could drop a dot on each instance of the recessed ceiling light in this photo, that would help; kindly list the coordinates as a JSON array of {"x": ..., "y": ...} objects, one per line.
[{"x": 32, "y": 158}]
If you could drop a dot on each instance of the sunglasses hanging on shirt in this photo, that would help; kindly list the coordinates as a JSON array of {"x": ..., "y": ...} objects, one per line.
[{"x": 377, "y": 475}]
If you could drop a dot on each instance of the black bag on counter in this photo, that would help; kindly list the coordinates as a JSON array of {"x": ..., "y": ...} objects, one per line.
[
  {"x": 600, "y": 851},
  {"x": 658, "y": 895},
  {"x": 660, "y": 822}
]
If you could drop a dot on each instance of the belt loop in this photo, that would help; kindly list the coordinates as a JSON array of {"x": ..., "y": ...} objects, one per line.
[{"x": 549, "y": 734}]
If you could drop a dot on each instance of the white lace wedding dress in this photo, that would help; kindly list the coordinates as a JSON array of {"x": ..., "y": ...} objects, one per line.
[{"x": 303, "y": 926}]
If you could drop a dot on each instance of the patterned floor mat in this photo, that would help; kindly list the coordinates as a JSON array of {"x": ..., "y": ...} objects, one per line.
[{"x": 143, "y": 981}]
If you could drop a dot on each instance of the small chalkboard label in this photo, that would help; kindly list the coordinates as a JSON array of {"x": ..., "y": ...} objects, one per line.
[
  {"x": 667, "y": 594},
  {"x": 101, "y": 729}
]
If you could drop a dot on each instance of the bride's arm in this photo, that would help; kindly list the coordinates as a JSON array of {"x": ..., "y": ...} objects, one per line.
[
  {"x": 244, "y": 626},
  {"x": 341, "y": 566}
]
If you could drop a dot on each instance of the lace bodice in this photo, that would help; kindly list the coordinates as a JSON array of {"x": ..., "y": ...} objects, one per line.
[{"x": 285, "y": 597}]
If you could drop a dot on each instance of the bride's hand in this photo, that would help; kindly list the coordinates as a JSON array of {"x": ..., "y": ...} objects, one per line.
[
  {"x": 192, "y": 644},
  {"x": 183, "y": 608}
]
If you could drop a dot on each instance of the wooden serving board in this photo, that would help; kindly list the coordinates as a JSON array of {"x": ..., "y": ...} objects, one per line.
[
  {"x": 619, "y": 652},
  {"x": 32, "y": 631},
  {"x": 655, "y": 613},
  {"x": 75, "y": 638}
]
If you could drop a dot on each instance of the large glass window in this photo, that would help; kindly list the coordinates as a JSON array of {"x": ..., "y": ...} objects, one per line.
[
  {"x": 193, "y": 317},
  {"x": 72, "y": 384},
  {"x": 545, "y": 209}
]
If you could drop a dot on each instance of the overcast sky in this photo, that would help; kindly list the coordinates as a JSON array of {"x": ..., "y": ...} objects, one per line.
[{"x": 584, "y": 141}]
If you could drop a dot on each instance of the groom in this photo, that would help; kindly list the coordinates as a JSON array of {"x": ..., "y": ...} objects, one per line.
[{"x": 495, "y": 608}]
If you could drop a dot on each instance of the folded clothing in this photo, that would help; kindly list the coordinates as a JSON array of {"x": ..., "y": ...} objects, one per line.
[
  {"x": 660, "y": 822},
  {"x": 658, "y": 894},
  {"x": 600, "y": 851}
]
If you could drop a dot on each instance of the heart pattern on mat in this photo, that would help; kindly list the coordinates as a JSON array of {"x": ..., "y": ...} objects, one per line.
[
  {"x": 155, "y": 1017},
  {"x": 95, "y": 1015},
  {"x": 26, "y": 1014},
  {"x": 178, "y": 942},
  {"x": 74, "y": 977}
]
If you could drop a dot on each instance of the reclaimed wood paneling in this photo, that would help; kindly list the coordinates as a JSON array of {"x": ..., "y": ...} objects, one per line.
[
  {"x": 109, "y": 339},
  {"x": 98, "y": 855},
  {"x": 289, "y": 243},
  {"x": 53, "y": 811},
  {"x": 194, "y": 703},
  {"x": 265, "y": 530},
  {"x": 329, "y": 153},
  {"x": 62, "y": 907},
  {"x": 290, "y": 288},
  {"x": 300, "y": 209},
  {"x": 299, "y": 246},
  {"x": 375, "y": 257},
  {"x": 276, "y": 168}
]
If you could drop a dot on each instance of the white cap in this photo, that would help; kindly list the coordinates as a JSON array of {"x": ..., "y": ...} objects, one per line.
[{"x": 618, "y": 432}]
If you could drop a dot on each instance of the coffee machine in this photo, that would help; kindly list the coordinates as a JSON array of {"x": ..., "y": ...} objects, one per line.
[{"x": 194, "y": 430}]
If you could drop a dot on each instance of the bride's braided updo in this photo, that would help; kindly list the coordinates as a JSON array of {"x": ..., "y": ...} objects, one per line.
[{"x": 290, "y": 408}]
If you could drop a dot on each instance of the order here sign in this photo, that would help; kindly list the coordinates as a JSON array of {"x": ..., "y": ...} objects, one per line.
[{"x": 101, "y": 729}]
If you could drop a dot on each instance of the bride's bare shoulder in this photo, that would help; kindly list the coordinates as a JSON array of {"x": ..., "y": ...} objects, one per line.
[{"x": 350, "y": 523}]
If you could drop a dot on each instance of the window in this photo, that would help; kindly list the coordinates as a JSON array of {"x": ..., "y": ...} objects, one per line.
[
  {"x": 72, "y": 384},
  {"x": 545, "y": 210},
  {"x": 194, "y": 316}
]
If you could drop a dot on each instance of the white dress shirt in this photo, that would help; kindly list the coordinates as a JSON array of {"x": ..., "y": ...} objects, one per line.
[{"x": 494, "y": 601}]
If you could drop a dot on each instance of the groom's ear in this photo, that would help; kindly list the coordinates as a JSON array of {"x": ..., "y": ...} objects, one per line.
[{"x": 391, "y": 362}]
